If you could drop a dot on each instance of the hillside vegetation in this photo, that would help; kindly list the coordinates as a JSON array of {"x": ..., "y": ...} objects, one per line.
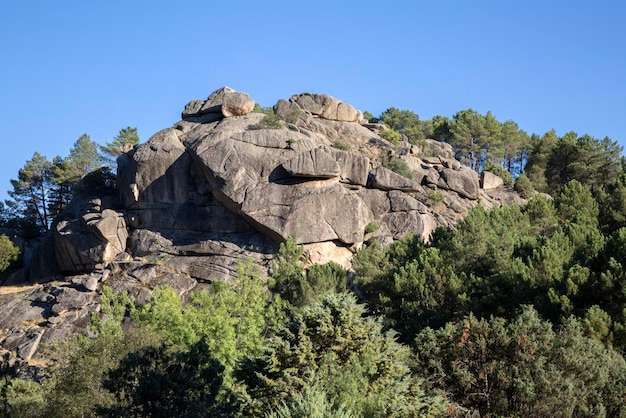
[{"x": 516, "y": 311}]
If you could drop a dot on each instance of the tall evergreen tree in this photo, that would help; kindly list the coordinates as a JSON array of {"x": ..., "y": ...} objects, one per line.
[
  {"x": 586, "y": 159},
  {"x": 67, "y": 172},
  {"x": 523, "y": 368},
  {"x": 441, "y": 128},
  {"x": 537, "y": 164},
  {"x": 468, "y": 130},
  {"x": 491, "y": 144},
  {"x": 31, "y": 191},
  {"x": 111, "y": 150},
  {"x": 515, "y": 145}
]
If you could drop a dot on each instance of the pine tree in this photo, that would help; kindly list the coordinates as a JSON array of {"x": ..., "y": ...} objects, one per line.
[
  {"x": 111, "y": 150},
  {"x": 67, "y": 172},
  {"x": 31, "y": 191}
]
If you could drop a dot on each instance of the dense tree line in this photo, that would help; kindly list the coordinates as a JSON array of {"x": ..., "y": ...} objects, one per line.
[{"x": 483, "y": 143}]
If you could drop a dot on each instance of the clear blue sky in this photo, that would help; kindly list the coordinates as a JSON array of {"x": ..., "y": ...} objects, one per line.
[{"x": 74, "y": 67}]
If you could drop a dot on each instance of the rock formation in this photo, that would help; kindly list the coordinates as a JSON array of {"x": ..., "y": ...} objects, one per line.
[{"x": 220, "y": 186}]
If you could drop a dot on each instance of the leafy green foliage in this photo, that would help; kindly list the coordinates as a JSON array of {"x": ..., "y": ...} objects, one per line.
[
  {"x": 371, "y": 227},
  {"x": 435, "y": 196},
  {"x": 405, "y": 123},
  {"x": 9, "y": 253},
  {"x": 469, "y": 136},
  {"x": 612, "y": 204},
  {"x": 397, "y": 165},
  {"x": 341, "y": 146},
  {"x": 161, "y": 382},
  {"x": 8, "y": 371},
  {"x": 18, "y": 397},
  {"x": 75, "y": 387},
  {"x": 517, "y": 311},
  {"x": 310, "y": 403},
  {"x": 333, "y": 347},
  {"x": 523, "y": 367},
  {"x": 524, "y": 186},
  {"x": 368, "y": 116},
  {"x": 299, "y": 286},
  {"x": 114, "y": 307},
  {"x": 67, "y": 172},
  {"x": 258, "y": 108},
  {"x": 548, "y": 254},
  {"x": 271, "y": 120},
  {"x": 83, "y": 159},
  {"x": 391, "y": 135},
  {"x": 100, "y": 182},
  {"x": 556, "y": 161},
  {"x": 24, "y": 398},
  {"x": 410, "y": 285},
  {"x": 231, "y": 318},
  {"x": 287, "y": 272}
]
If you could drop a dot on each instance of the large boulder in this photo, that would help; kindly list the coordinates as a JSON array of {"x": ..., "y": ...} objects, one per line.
[
  {"x": 316, "y": 163},
  {"x": 385, "y": 179},
  {"x": 307, "y": 212},
  {"x": 320, "y": 105},
  {"x": 224, "y": 102},
  {"x": 463, "y": 181},
  {"x": 90, "y": 241},
  {"x": 490, "y": 181},
  {"x": 155, "y": 171}
]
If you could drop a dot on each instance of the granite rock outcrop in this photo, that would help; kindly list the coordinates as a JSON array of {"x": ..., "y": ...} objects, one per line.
[{"x": 223, "y": 185}]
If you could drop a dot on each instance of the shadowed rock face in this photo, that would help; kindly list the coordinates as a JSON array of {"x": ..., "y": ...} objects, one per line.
[{"x": 290, "y": 181}]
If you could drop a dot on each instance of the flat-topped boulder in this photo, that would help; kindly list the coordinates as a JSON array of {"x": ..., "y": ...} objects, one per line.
[
  {"x": 224, "y": 102},
  {"x": 319, "y": 105},
  {"x": 316, "y": 163}
]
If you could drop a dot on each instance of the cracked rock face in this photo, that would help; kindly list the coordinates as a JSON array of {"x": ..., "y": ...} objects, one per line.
[
  {"x": 89, "y": 241},
  {"x": 292, "y": 181},
  {"x": 221, "y": 173}
]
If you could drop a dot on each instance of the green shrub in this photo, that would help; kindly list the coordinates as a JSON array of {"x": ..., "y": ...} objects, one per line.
[
  {"x": 9, "y": 252},
  {"x": 524, "y": 187},
  {"x": 369, "y": 117},
  {"x": 261, "y": 109},
  {"x": 335, "y": 348},
  {"x": 341, "y": 146},
  {"x": 398, "y": 166},
  {"x": 271, "y": 121},
  {"x": 392, "y": 136},
  {"x": 300, "y": 287},
  {"x": 435, "y": 196},
  {"x": 372, "y": 227}
]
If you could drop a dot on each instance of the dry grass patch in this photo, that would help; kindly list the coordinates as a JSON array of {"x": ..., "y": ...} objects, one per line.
[{"x": 8, "y": 290}]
